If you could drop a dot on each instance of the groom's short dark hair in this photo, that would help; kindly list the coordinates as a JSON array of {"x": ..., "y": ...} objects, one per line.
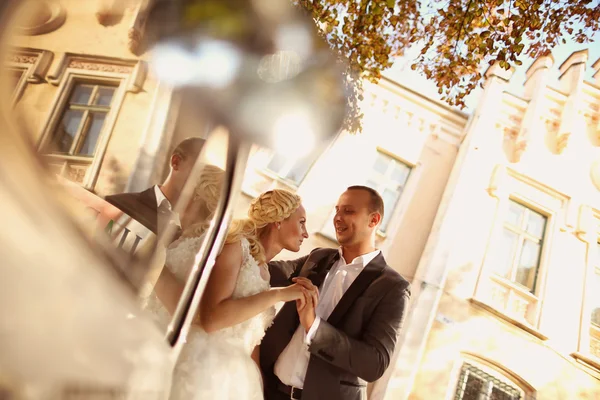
[
  {"x": 375, "y": 201},
  {"x": 189, "y": 147}
]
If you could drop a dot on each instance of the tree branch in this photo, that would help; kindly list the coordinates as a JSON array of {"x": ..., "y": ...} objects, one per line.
[{"x": 462, "y": 25}]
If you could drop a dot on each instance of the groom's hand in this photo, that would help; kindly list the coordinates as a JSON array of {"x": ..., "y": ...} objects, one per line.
[{"x": 306, "y": 311}]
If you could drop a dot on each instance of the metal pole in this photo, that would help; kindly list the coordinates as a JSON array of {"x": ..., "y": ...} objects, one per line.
[{"x": 235, "y": 165}]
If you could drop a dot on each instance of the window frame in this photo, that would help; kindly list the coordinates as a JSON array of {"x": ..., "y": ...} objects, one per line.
[
  {"x": 489, "y": 367},
  {"x": 266, "y": 155},
  {"x": 288, "y": 166},
  {"x": 386, "y": 184},
  {"x": 65, "y": 89},
  {"x": 400, "y": 206},
  {"x": 33, "y": 62},
  {"x": 83, "y": 127},
  {"x": 19, "y": 88},
  {"x": 543, "y": 200},
  {"x": 587, "y": 329},
  {"x": 523, "y": 235},
  {"x": 488, "y": 380}
]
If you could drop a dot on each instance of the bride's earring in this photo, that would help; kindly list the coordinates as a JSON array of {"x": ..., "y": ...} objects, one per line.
[{"x": 278, "y": 226}]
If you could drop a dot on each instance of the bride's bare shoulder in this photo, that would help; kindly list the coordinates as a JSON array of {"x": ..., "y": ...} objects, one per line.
[{"x": 231, "y": 253}]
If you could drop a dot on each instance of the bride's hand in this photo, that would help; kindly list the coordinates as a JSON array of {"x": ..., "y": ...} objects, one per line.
[{"x": 292, "y": 292}]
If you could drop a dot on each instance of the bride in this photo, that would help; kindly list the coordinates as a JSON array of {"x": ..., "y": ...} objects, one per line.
[{"x": 220, "y": 358}]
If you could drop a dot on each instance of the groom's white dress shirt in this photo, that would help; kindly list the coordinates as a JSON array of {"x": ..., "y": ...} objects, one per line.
[
  {"x": 161, "y": 199},
  {"x": 165, "y": 209},
  {"x": 292, "y": 363}
]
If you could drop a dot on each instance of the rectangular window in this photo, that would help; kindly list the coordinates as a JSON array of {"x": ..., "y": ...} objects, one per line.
[
  {"x": 474, "y": 384},
  {"x": 290, "y": 169},
  {"x": 388, "y": 176},
  {"x": 520, "y": 246},
  {"x": 82, "y": 120}
]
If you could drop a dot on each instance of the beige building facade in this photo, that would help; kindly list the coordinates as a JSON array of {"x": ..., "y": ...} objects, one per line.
[
  {"x": 81, "y": 87},
  {"x": 493, "y": 217},
  {"x": 505, "y": 297}
]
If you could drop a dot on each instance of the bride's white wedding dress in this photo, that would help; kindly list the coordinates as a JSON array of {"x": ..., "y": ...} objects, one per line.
[{"x": 218, "y": 365}]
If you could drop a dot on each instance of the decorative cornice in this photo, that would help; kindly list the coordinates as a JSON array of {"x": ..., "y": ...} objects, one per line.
[
  {"x": 541, "y": 186},
  {"x": 22, "y": 58},
  {"x": 35, "y": 61},
  {"x": 576, "y": 58},
  {"x": 517, "y": 143},
  {"x": 135, "y": 71},
  {"x": 76, "y": 173},
  {"x": 591, "y": 361},
  {"x": 99, "y": 66}
]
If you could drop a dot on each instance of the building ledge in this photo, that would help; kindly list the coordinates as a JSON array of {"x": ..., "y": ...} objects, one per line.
[
  {"x": 588, "y": 360},
  {"x": 510, "y": 320},
  {"x": 420, "y": 97},
  {"x": 289, "y": 185},
  {"x": 275, "y": 180},
  {"x": 251, "y": 194}
]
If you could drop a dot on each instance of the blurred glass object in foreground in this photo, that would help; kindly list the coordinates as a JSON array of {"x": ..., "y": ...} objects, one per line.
[{"x": 259, "y": 67}]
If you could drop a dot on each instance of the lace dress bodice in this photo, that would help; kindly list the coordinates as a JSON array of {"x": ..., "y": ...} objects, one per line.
[
  {"x": 180, "y": 259},
  {"x": 181, "y": 256},
  {"x": 247, "y": 334}
]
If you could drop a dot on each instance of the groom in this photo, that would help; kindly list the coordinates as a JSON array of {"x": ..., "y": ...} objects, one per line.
[
  {"x": 148, "y": 206},
  {"x": 332, "y": 346}
]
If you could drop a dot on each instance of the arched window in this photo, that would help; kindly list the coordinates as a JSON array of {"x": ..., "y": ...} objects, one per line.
[{"x": 480, "y": 381}]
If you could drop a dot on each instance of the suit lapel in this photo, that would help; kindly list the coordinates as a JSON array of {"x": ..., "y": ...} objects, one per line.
[
  {"x": 148, "y": 197},
  {"x": 150, "y": 211},
  {"x": 318, "y": 273},
  {"x": 371, "y": 271}
]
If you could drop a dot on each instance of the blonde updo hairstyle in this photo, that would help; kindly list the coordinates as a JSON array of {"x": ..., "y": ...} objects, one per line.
[
  {"x": 207, "y": 191},
  {"x": 270, "y": 207}
]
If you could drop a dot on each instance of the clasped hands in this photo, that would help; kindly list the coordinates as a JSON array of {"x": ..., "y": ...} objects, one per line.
[
  {"x": 306, "y": 296},
  {"x": 307, "y": 304}
]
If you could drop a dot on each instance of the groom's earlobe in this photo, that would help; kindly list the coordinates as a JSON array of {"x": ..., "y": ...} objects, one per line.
[
  {"x": 176, "y": 161},
  {"x": 375, "y": 219}
]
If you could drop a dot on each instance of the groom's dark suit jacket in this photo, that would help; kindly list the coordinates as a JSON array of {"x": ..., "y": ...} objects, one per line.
[
  {"x": 140, "y": 206},
  {"x": 355, "y": 344}
]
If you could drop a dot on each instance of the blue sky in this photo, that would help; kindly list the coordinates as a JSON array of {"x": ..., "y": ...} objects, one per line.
[{"x": 402, "y": 73}]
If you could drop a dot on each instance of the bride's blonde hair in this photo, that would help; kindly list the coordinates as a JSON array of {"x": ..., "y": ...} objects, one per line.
[
  {"x": 207, "y": 191},
  {"x": 270, "y": 207}
]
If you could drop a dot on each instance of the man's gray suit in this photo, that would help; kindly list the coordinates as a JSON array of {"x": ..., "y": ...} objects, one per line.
[{"x": 355, "y": 344}]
